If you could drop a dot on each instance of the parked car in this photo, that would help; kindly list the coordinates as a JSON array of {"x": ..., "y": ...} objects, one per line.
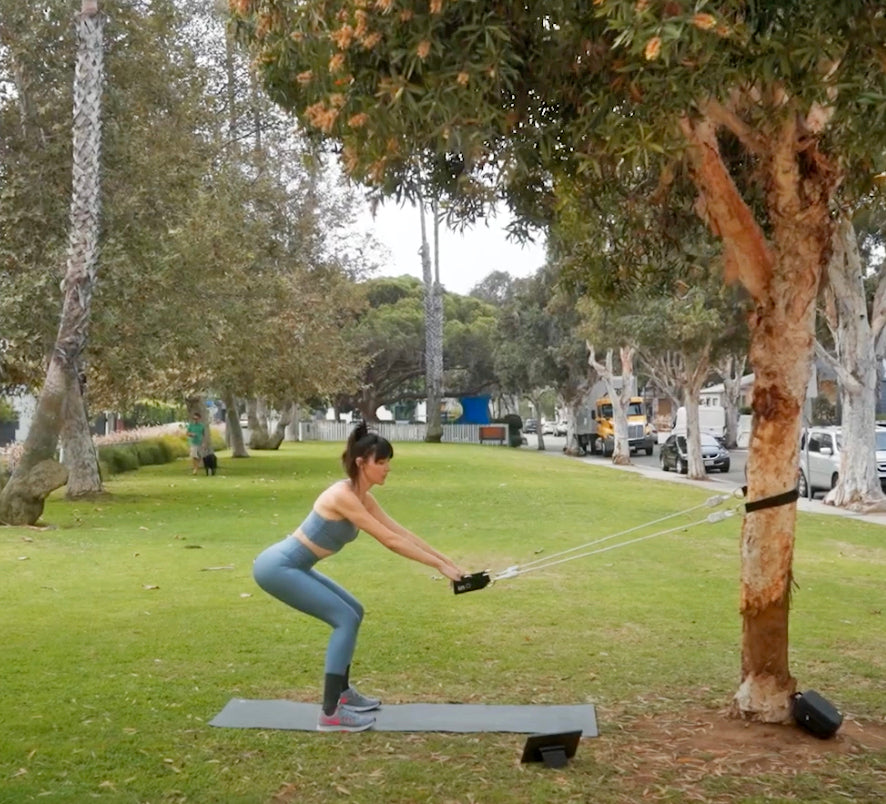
[
  {"x": 547, "y": 428},
  {"x": 820, "y": 449},
  {"x": 674, "y": 454},
  {"x": 530, "y": 425},
  {"x": 560, "y": 429}
]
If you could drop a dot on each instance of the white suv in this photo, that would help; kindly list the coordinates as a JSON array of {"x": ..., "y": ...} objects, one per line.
[{"x": 820, "y": 449}]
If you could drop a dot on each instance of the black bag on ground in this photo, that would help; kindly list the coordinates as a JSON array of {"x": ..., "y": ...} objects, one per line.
[{"x": 815, "y": 714}]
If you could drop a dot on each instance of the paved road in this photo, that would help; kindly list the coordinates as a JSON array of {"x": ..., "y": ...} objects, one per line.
[
  {"x": 734, "y": 478},
  {"x": 735, "y": 475}
]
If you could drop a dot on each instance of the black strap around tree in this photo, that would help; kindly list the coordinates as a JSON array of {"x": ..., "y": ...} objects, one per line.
[{"x": 785, "y": 498}]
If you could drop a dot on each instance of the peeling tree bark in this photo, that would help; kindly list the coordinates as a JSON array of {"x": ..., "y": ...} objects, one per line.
[{"x": 783, "y": 279}]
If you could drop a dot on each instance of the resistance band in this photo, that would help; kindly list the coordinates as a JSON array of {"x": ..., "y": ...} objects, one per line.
[{"x": 480, "y": 580}]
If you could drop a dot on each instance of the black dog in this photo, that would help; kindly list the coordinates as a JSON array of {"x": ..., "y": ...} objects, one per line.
[{"x": 210, "y": 463}]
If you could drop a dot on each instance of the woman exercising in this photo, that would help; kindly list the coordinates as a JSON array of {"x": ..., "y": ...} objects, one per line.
[{"x": 286, "y": 569}]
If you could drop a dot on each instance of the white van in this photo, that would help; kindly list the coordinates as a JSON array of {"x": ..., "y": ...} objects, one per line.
[{"x": 711, "y": 419}]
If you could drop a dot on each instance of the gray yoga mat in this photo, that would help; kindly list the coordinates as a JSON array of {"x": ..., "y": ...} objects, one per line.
[{"x": 242, "y": 713}]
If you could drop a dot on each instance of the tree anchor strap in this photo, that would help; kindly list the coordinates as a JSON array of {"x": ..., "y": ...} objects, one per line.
[{"x": 785, "y": 498}]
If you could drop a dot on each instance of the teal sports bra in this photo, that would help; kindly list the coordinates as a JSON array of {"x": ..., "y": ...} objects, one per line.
[{"x": 330, "y": 534}]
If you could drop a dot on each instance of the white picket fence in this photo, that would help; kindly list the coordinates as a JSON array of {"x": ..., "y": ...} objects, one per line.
[{"x": 339, "y": 431}]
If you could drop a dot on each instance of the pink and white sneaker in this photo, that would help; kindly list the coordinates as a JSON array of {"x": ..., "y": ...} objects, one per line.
[{"x": 344, "y": 720}]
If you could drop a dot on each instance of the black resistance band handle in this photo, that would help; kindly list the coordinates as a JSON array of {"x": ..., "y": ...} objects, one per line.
[{"x": 469, "y": 583}]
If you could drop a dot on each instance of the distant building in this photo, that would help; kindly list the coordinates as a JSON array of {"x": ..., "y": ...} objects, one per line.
[
  {"x": 715, "y": 395},
  {"x": 822, "y": 384}
]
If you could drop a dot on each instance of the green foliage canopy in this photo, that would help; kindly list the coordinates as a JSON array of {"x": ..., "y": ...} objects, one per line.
[{"x": 504, "y": 95}]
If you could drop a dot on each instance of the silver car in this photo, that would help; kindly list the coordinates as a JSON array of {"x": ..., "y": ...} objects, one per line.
[{"x": 820, "y": 449}]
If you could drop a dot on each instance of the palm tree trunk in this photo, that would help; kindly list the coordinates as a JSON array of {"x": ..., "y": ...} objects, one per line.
[
  {"x": 433, "y": 333},
  {"x": 78, "y": 448},
  {"x": 37, "y": 474}
]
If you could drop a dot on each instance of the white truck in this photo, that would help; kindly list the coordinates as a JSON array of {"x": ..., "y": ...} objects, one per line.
[{"x": 711, "y": 419}]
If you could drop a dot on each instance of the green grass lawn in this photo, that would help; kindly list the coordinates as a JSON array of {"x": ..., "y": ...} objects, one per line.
[{"x": 128, "y": 623}]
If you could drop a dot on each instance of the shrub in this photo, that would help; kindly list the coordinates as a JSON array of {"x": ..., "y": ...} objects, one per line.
[
  {"x": 174, "y": 446},
  {"x": 7, "y": 412},
  {"x": 125, "y": 451},
  {"x": 217, "y": 439},
  {"x": 149, "y": 453},
  {"x": 119, "y": 458},
  {"x": 515, "y": 425}
]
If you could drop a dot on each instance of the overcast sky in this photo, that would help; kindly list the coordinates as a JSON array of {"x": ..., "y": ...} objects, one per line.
[{"x": 465, "y": 259}]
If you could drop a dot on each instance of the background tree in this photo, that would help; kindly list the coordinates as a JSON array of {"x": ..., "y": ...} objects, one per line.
[
  {"x": 495, "y": 288},
  {"x": 390, "y": 334},
  {"x": 854, "y": 325},
  {"x": 36, "y": 474},
  {"x": 644, "y": 259},
  {"x": 730, "y": 368},
  {"x": 691, "y": 329},
  {"x": 620, "y": 384},
  {"x": 433, "y": 298},
  {"x": 527, "y": 338},
  {"x": 219, "y": 224}
]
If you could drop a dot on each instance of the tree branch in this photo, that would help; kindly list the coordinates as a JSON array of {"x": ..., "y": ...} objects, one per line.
[
  {"x": 723, "y": 116},
  {"x": 747, "y": 256}
]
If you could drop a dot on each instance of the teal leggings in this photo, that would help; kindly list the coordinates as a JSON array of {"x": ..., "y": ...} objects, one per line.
[{"x": 285, "y": 570}]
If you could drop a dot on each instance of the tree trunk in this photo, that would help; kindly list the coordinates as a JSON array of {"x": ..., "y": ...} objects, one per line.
[
  {"x": 37, "y": 473},
  {"x": 433, "y": 331},
  {"x": 695, "y": 467},
  {"x": 731, "y": 371},
  {"x": 536, "y": 401},
  {"x": 367, "y": 403},
  {"x": 22, "y": 499},
  {"x": 233, "y": 431},
  {"x": 275, "y": 439},
  {"x": 783, "y": 281},
  {"x": 621, "y": 453},
  {"x": 78, "y": 448},
  {"x": 846, "y": 313},
  {"x": 257, "y": 418},
  {"x": 577, "y": 404},
  {"x": 780, "y": 354},
  {"x": 693, "y": 380}
]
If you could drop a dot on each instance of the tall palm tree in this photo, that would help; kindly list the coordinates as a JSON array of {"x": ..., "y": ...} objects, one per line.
[
  {"x": 433, "y": 324},
  {"x": 37, "y": 473}
]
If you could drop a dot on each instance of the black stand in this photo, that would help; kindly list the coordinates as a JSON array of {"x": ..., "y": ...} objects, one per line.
[
  {"x": 554, "y": 756},
  {"x": 553, "y": 749}
]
